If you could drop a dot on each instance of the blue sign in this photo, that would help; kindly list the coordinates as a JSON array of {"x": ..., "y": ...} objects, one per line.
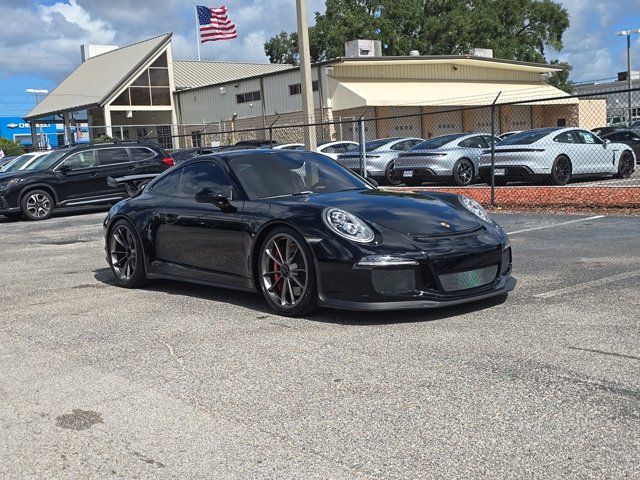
[{"x": 15, "y": 128}]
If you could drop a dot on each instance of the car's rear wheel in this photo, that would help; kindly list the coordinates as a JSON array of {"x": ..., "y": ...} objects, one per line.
[
  {"x": 389, "y": 178},
  {"x": 37, "y": 205},
  {"x": 125, "y": 255},
  {"x": 561, "y": 171},
  {"x": 463, "y": 172},
  {"x": 625, "y": 165},
  {"x": 286, "y": 273}
]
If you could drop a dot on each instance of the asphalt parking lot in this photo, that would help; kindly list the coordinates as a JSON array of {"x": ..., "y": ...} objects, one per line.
[{"x": 189, "y": 381}]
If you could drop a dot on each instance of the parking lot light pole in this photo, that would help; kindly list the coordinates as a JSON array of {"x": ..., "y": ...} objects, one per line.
[{"x": 628, "y": 33}]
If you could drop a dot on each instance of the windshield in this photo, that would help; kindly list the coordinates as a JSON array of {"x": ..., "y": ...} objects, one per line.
[
  {"x": 372, "y": 145},
  {"x": 17, "y": 163},
  {"x": 528, "y": 137},
  {"x": 437, "y": 142},
  {"x": 290, "y": 172},
  {"x": 47, "y": 161}
]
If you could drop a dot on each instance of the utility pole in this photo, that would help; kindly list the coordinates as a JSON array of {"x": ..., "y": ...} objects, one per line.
[
  {"x": 628, "y": 33},
  {"x": 310, "y": 140},
  {"x": 36, "y": 91}
]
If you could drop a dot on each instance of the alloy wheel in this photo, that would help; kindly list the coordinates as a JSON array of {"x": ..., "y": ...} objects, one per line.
[
  {"x": 38, "y": 205},
  {"x": 562, "y": 171},
  {"x": 123, "y": 252},
  {"x": 625, "y": 169},
  {"x": 284, "y": 270},
  {"x": 464, "y": 173}
]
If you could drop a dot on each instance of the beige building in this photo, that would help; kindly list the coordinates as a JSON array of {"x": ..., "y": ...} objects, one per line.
[{"x": 139, "y": 90}]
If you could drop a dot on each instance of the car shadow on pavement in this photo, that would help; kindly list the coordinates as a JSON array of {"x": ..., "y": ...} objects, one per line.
[
  {"x": 64, "y": 212},
  {"x": 255, "y": 302}
]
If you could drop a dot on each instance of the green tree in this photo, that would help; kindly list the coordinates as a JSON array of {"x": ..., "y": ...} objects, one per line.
[
  {"x": 514, "y": 29},
  {"x": 561, "y": 79},
  {"x": 10, "y": 148}
]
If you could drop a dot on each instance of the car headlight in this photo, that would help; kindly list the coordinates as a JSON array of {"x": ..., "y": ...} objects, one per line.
[
  {"x": 347, "y": 225},
  {"x": 475, "y": 208},
  {"x": 8, "y": 183}
]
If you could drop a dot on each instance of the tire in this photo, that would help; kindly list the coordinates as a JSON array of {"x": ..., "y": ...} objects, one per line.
[
  {"x": 125, "y": 255},
  {"x": 625, "y": 165},
  {"x": 287, "y": 274},
  {"x": 463, "y": 173},
  {"x": 561, "y": 171},
  {"x": 389, "y": 178},
  {"x": 37, "y": 205}
]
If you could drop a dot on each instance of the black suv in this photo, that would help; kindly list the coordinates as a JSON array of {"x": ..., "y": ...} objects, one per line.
[{"x": 77, "y": 176}]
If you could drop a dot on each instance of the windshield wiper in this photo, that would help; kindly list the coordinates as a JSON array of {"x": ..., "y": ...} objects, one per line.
[{"x": 293, "y": 194}]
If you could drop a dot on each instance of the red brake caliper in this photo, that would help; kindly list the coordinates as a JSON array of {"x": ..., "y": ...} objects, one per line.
[{"x": 276, "y": 276}]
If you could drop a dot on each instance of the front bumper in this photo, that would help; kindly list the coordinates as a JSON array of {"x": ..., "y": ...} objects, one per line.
[
  {"x": 457, "y": 270},
  {"x": 5, "y": 208}
]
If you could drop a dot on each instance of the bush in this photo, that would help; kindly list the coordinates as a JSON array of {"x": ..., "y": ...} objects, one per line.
[{"x": 10, "y": 148}]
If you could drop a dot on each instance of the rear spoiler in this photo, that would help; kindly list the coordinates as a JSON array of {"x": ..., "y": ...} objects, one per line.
[{"x": 133, "y": 183}]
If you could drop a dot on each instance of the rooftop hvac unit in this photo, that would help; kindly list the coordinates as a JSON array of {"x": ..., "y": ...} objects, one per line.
[
  {"x": 481, "y": 52},
  {"x": 363, "y": 48}
]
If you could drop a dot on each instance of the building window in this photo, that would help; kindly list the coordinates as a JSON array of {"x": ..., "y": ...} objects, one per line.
[
  {"x": 150, "y": 88},
  {"x": 296, "y": 88},
  {"x": 248, "y": 97},
  {"x": 562, "y": 122},
  {"x": 164, "y": 137}
]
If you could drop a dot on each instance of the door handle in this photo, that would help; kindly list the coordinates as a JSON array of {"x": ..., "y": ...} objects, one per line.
[
  {"x": 170, "y": 218},
  {"x": 93, "y": 174}
]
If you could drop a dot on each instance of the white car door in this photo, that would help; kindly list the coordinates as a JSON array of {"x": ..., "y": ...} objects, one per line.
[{"x": 596, "y": 156}]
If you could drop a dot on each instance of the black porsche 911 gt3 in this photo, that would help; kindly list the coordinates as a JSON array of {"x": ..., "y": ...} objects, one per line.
[{"x": 305, "y": 232}]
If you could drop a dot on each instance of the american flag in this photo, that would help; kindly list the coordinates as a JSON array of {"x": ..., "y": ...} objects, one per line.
[{"x": 215, "y": 24}]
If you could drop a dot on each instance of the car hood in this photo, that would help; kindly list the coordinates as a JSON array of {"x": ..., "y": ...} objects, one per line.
[
  {"x": 18, "y": 174},
  {"x": 405, "y": 212}
]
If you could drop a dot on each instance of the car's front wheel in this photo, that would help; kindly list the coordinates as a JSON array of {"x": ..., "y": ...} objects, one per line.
[
  {"x": 37, "y": 205},
  {"x": 286, "y": 273},
  {"x": 625, "y": 165},
  {"x": 389, "y": 177},
  {"x": 125, "y": 255}
]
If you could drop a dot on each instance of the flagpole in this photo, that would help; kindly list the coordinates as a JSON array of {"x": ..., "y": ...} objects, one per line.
[{"x": 197, "y": 31}]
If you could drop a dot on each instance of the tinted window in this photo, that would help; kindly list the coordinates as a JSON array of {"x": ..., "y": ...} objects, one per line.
[
  {"x": 372, "y": 145},
  {"x": 269, "y": 175},
  {"x": 565, "y": 137},
  {"x": 527, "y": 138},
  {"x": 140, "y": 153},
  {"x": 402, "y": 146},
  {"x": 47, "y": 161},
  {"x": 111, "y": 156},
  {"x": 80, "y": 160},
  {"x": 588, "y": 137},
  {"x": 616, "y": 136},
  {"x": 17, "y": 163},
  {"x": 168, "y": 184},
  {"x": 201, "y": 175},
  {"x": 437, "y": 142},
  {"x": 473, "y": 142}
]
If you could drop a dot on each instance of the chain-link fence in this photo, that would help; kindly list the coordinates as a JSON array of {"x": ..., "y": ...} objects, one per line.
[{"x": 502, "y": 150}]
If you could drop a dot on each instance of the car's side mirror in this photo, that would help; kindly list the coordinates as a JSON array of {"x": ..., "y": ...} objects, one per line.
[
  {"x": 606, "y": 142},
  {"x": 373, "y": 182},
  {"x": 64, "y": 169},
  {"x": 215, "y": 197}
]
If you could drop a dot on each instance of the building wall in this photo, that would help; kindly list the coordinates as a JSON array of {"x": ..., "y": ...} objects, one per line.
[{"x": 592, "y": 113}]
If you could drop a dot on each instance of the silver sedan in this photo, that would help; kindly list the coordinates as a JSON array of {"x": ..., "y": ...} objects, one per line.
[
  {"x": 451, "y": 158},
  {"x": 380, "y": 155},
  {"x": 557, "y": 155}
]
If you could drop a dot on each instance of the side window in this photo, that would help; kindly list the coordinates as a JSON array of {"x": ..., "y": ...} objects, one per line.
[
  {"x": 168, "y": 185},
  {"x": 588, "y": 137},
  {"x": 112, "y": 156},
  {"x": 473, "y": 142},
  {"x": 201, "y": 175},
  {"x": 614, "y": 137},
  {"x": 77, "y": 161},
  {"x": 331, "y": 149},
  {"x": 400, "y": 146},
  {"x": 140, "y": 153},
  {"x": 565, "y": 137},
  {"x": 413, "y": 143}
]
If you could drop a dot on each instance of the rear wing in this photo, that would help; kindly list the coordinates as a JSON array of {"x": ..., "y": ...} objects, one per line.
[{"x": 132, "y": 183}]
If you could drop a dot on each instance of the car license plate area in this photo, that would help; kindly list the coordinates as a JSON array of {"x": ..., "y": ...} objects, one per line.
[
  {"x": 500, "y": 171},
  {"x": 407, "y": 173},
  {"x": 453, "y": 282}
]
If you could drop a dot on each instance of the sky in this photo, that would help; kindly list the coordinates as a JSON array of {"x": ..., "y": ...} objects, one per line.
[{"x": 40, "y": 40}]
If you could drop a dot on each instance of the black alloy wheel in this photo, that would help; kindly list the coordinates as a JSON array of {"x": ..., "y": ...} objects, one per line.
[
  {"x": 126, "y": 258},
  {"x": 37, "y": 205},
  {"x": 389, "y": 177},
  {"x": 561, "y": 171},
  {"x": 286, "y": 273},
  {"x": 625, "y": 165},
  {"x": 463, "y": 173}
]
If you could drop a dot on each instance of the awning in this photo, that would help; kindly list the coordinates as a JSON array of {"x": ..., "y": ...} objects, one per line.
[{"x": 350, "y": 93}]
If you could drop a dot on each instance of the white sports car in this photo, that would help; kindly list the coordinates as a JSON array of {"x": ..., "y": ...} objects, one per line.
[{"x": 556, "y": 155}]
